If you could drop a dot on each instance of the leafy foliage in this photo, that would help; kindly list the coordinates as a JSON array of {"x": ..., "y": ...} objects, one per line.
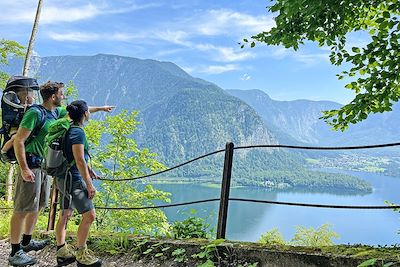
[
  {"x": 192, "y": 227},
  {"x": 8, "y": 49},
  {"x": 120, "y": 157},
  {"x": 179, "y": 255},
  {"x": 208, "y": 253},
  {"x": 309, "y": 237},
  {"x": 3, "y": 177},
  {"x": 272, "y": 238},
  {"x": 374, "y": 68},
  {"x": 71, "y": 91},
  {"x": 312, "y": 237}
]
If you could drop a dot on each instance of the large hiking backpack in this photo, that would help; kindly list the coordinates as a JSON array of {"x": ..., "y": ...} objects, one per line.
[
  {"x": 13, "y": 110},
  {"x": 55, "y": 161}
]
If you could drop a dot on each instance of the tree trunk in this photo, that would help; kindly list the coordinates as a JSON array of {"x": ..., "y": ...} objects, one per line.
[
  {"x": 32, "y": 40},
  {"x": 9, "y": 183},
  {"x": 25, "y": 72}
]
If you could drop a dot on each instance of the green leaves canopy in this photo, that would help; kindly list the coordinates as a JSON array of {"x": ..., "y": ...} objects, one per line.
[
  {"x": 118, "y": 156},
  {"x": 8, "y": 49},
  {"x": 374, "y": 71}
]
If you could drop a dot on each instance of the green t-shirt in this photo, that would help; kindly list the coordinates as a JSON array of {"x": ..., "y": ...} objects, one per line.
[{"x": 31, "y": 120}]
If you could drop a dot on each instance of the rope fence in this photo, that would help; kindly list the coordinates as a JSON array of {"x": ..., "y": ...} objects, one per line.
[
  {"x": 321, "y": 147},
  {"x": 225, "y": 188},
  {"x": 310, "y": 205},
  {"x": 391, "y": 207},
  {"x": 166, "y": 170},
  {"x": 250, "y": 147}
]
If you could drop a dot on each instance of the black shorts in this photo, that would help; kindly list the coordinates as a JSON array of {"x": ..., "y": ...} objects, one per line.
[{"x": 74, "y": 195}]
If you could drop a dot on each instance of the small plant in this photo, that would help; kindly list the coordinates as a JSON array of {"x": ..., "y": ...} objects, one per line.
[
  {"x": 115, "y": 244},
  {"x": 272, "y": 238},
  {"x": 374, "y": 262},
  {"x": 208, "y": 252},
  {"x": 192, "y": 227},
  {"x": 179, "y": 255},
  {"x": 157, "y": 250},
  {"x": 139, "y": 248},
  {"x": 311, "y": 237}
]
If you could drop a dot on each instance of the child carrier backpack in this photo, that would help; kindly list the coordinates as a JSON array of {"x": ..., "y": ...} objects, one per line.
[
  {"x": 13, "y": 110},
  {"x": 55, "y": 161}
]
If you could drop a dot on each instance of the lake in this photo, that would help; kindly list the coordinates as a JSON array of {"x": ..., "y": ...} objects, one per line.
[{"x": 247, "y": 221}]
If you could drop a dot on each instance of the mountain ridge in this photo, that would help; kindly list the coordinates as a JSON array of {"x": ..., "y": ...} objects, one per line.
[{"x": 182, "y": 117}]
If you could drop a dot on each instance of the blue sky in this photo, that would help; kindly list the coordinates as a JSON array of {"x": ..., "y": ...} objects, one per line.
[{"x": 200, "y": 36}]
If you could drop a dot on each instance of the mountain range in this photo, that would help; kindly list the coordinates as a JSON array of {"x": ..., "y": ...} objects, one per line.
[
  {"x": 298, "y": 121},
  {"x": 182, "y": 117}
]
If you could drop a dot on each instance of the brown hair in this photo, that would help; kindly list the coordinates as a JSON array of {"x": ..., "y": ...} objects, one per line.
[{"x": 49, "y": 88}]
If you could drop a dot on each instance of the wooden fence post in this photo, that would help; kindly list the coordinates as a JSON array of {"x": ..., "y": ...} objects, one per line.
[
  {"x": 225, "y": 188},
  {"x": 53, "y": 206}
]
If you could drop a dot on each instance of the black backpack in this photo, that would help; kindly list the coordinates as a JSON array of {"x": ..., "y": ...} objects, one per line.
[{"x": 13, "y": 110}]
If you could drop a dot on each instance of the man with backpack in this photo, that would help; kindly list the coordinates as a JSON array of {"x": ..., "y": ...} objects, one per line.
[{"x": 32, "y": 186}]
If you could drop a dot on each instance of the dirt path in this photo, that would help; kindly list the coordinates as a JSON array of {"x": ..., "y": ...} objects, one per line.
[{"x": 47, "y": 257}]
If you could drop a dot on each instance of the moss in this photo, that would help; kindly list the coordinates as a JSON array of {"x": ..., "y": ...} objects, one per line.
[{"x": 121, "y": 243}]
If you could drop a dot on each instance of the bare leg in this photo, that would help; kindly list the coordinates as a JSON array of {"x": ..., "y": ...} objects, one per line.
[
  {"x": 83, "y": 230},
  {"x": 61, "y": 230},
  {"x": 16, "y": 225},
  {"x": 30, "y": 222}
]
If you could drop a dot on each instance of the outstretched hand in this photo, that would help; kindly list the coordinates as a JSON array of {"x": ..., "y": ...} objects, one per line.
[{"x": 107, "y": 108}]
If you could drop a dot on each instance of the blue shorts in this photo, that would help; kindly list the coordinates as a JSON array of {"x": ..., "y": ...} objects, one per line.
[{"x": 74, "y": 195}]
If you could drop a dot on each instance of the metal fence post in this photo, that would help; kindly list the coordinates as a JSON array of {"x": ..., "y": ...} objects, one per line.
[{"x": 225, "y": 187}]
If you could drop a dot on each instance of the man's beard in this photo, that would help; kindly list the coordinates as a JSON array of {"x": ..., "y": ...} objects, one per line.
[{"x": 57, "y": 102}]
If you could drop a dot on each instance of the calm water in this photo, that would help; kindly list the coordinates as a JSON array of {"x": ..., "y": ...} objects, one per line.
[{"x": 247, "y": 221}]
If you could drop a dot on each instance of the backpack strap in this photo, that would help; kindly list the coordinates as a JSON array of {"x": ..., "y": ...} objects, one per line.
[
  {"x": 57, "y": 112},
  {"x": 42, "y": 120},
  {"x": 63, "y": 144}
]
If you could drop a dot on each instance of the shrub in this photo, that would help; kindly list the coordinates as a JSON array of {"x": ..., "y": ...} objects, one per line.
[
  {"x": 311, "y": 237},
  {"x": 272, "y": 238},
  {"x": 191, "y": 227}
]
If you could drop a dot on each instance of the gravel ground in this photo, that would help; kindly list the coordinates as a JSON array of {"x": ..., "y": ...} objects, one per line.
[{"x": 47, "y": 257}]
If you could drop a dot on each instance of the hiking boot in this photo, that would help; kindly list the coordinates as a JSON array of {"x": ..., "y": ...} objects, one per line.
[
  {"x": 4, "y": 157},
  {"x": 65, "y": 255},
  {"x": 20, "y": 258},
  {"x": 35, "y": 245},
  {"x": 85, "y": 258}
]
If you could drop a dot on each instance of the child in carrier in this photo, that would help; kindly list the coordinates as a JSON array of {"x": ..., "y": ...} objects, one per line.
[{"x": 23, "y": 99}]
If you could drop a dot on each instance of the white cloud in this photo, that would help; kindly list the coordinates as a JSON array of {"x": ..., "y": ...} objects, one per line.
[
  {"x": 177, "y": 37},
  {"x": 74, "y": 36},
  {"x": 52, "y": 14},
  {"x": 225, "y": 54},
  {"x": 312, "y": 59},
  {"x": 308, "y": 58},
  {"x": 229, "y": 54},
  {"x": 168, "y": 52},
  {"x": 228, "y": 22},
  {"x": 218, "y": 53},
  {"x": 245, "y": 77},
  {"x": 23, "y": 11},
  {"x": 189, "y": 70},
  {"x": 217, "y": 69},
  {"x": 89, "y": 36},
  {"x": 211, "y": 69}
]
